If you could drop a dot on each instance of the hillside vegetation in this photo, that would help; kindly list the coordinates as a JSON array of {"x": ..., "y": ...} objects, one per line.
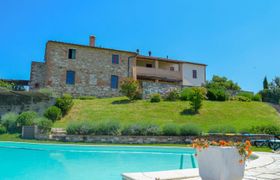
[{"x": 241, "y": 115}]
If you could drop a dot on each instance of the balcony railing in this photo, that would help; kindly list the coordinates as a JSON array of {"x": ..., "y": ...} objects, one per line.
[{"x": 160, "y": 73}]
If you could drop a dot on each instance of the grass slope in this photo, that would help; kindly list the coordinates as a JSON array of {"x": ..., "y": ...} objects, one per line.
[{"x": 241, "y": 115}]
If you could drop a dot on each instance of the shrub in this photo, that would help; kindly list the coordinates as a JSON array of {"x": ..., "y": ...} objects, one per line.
[
  {"x": 64, "y": 103},
  {"x": 173, "y": 95},
  {"x": 265, "y": 129},
  {"x": 26, "y": 118},
  {"x": 130, "y": 88},
  {"x": 53, "y": 113},
  {"x": 81, "y": 128},
  {"x": 87, "y": 97},
  {"x": 44, "y": 124},
  {"x": 248, "y": 95},
  {"x": 3, "y": 129},
  {"x": 9, "y": 120},
  {"x": 190, "y": 130},
  {"x": 108, "y": 128},
  {"x": 217, "y": 94},
  {"x": 155, "y": 98},
  {"x": 170, "y": 130},
  {"x": 186, "y": 94},
  {"x": 257, "y": 97},
  {"x": 271, "y": 95},
  {"x": 197, "y": 96},
  {"x": 141, "y": 130},
  {"x": 240, "y": 98},
  {"x": 222, "y": 129},
  {"x": 46, "y": 91}
]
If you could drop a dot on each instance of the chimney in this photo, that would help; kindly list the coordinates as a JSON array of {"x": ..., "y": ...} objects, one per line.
[
  {"x": 150, "y": 53},
  {"x": 137, "y": 51},
  {"x": 92, "y": 41}
]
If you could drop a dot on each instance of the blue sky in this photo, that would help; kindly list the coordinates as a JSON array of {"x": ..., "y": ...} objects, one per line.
[{"x": 236, "y": 38}]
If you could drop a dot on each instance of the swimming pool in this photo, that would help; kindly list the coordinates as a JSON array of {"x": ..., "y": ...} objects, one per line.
[{"x": 50, "y": 161}]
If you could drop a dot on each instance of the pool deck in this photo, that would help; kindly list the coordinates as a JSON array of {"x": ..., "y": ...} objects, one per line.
[{"x": 266, "y": 167}]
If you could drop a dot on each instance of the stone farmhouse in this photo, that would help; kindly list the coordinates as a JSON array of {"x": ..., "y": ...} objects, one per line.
[{"x": 88, "y": 70}]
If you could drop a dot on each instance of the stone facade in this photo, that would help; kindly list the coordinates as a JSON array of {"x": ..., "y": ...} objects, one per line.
[
  {"x": 149, "y": 88},
  {"x": 93, "y": 68},
  {"x": 37, "y": 75}
]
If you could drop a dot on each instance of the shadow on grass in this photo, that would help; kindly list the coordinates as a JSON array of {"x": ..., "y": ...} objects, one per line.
[
  {"x": 188, "y": 112},
  {"x": 123, "y": 101}
]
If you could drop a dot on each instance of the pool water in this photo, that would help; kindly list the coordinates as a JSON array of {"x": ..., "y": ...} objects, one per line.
[{"x": 22, "y": 161}]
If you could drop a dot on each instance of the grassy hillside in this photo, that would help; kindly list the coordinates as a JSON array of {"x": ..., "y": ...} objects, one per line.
[{"x": 241, "y": 115}]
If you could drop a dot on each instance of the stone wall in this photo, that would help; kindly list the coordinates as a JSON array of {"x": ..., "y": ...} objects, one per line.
[
  {"x": 149, "y": 88},
  {"x": 146, "y": 139},
  {"x": 93, "y": 69},
  {"x": 37, "y": 75},
  {"x": 13, "y": 101}
]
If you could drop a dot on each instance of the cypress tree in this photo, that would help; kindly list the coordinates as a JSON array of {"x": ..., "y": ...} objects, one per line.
[{"x": 265, "y": 83}]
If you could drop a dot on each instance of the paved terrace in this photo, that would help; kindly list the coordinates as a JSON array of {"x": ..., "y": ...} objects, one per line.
[{"x": 266, "y": 167}]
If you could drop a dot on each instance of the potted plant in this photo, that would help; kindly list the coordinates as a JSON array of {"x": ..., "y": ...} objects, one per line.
[{"x": 221, "y": 160}]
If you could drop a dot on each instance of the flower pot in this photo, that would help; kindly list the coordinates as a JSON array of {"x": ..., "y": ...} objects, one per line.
[{"x": 220, "y": 163}]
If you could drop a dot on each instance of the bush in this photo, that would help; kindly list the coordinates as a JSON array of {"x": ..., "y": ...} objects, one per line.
[
  {"x": 26, "y": 118},
  {"x": 155, "y": 98},
  {"x": 222, "y": 129},
  {"x": 3, "y": 129},
  {"x": 44, "y": 124},
  {"x": 141, "y": 130},
  {"x": 240, "y": 98},
  {"x": 64, "y": 103},
  {"x": 257, "y": 97},
  {"x": 196, "y": 98},
  {"x": 265, "y": 129},
  {"x": 271, "y": 95},
  {"x": 217, "y": 94},
  {"x": 173, "y": 95},
  {"x": 130, "y": 88},
  {"x": 186, "y": 94},
  {"x": 87, "y": 97},
  {"x": 53, "y": 113},
  {"x": 190, "y": 130},
  {"x": 170, "y": 130},
  {"x": 248, "y": 95},
  {"x": 108, "y": 128},
  {"x": 81, "y": 128},
  {"x": 46, "y": 91},
  {"x": 9, "y": 120}
]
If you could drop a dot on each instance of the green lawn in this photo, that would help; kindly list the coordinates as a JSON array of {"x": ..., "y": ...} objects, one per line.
[{"x": 241, "y": 115}]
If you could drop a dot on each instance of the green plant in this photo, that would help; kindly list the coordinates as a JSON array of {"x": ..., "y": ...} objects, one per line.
[
  {"x": 87, "y": 97},
  {"x": 141, "y": 129},
  {"x": 3, "y": 129},
  {"x": 240, "y": 98},
  {"x": 249, "y": 95},
  {"x": 155, "y": 98},
  {"x": 265, "y": 83},
  {"x": 81, "y": 128},
  {"x": 257, "y": 97},
  {"x": 108, "y": 128},
  {"x": 46, "y": 91},
  {"x": 9, "y": 120},
  {"x": 222, "y": 129},
  {"x": 53, "y": 113},
  {"x": 26, "y": 118},
  {"x": 197, "y": 96},
  {"x": 130, "y": 88},
  {"x": 218, "y": 82},
  {"x": 173, "y": 95},
  {"x": 64, "y": 103},
  {"x": 186, "y": 94},
  {"x": 44, "y": 124},
  {"x": 190, "y": 130},
  {"x": 266, "y": 129},
  {"x": 151, "y": 130},
  {"x": 170, "y": 130},
  {"x": 6, "y": 85},
  {"x": 217, "y": 94}
]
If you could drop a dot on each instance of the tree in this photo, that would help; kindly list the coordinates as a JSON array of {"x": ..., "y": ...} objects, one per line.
[
  {"x": 130, "y": 88},
  {"x": 196, "y": 98},
  {"x": 218, "y": 82},
  {"x": 265, "y": 83}
]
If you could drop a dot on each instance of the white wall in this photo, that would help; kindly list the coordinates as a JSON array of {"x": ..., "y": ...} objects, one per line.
[{"x": 188, "y": 79}]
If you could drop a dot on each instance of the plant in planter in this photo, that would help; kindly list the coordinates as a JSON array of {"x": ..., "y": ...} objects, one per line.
[{"x": 222, "y": 160}]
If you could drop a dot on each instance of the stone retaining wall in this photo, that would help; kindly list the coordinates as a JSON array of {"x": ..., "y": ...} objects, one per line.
[{"x": 147, "y": 139}]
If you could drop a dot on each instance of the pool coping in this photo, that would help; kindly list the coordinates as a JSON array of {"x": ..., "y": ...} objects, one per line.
[{"x": 261, "y": 161}]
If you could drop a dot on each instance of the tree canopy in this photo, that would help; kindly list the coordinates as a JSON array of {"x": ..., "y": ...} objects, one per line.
[{"x": 219, "y": 82}]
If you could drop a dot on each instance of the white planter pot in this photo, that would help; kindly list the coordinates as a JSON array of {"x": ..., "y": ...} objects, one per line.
[{"x": 220, "y": 163}]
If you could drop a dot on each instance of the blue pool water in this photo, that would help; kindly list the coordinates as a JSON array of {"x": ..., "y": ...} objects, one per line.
[{"x": 25, "y": 161}]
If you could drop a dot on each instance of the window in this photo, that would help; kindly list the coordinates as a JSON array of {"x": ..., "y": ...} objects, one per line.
[
  {"x": 194, "y": 74},
  {"x": 172, "y": 69},
  {"x": 70, "y": 77},
  {"x": 114, "y": 82},
  {"x": 115, "y": 59},
  {"x": 72, "y": 54},
  {"x": 149, "y": 65}
]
